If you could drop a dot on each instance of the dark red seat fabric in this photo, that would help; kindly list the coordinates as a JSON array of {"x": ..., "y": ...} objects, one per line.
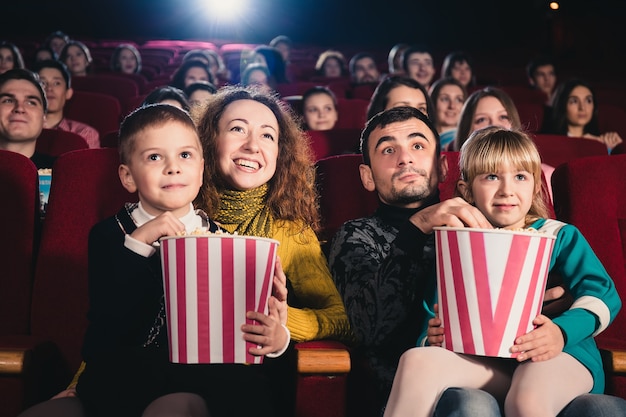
[
  {"x": 334, "y": 142},
  {"x": 558, "y": 149},
  {"x": 531, "y": 115},
  {"x": 116, "y": 86},
  {"x": 101, "y": 111},
  {"x": 619, "y": 149},
  {"x": 85, "y": 189},
  {"x": 19, "y": 218},
  {"x": 55, "y": 142},
  {"x": 342, "y": 196},
  {"x": 352, "y": 113},
  {"x": 590, "y": 193},
  {"x": 612, "y": 118}
]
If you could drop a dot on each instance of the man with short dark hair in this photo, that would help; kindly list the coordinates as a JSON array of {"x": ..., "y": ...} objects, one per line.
[
  {"x": 23, "y": 107},
  {"x": 418, "y": 64},
  {"x": 56, "y": 80},
  {"x": 363, "y": 69}
]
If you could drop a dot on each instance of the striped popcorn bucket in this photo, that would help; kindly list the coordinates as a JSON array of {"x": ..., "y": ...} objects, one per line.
[
  {"x": 490, "y": 284},
  {"x": 210, "y": 282}
]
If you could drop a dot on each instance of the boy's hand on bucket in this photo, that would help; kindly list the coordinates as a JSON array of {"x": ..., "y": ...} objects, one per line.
[
  {"x": 267, "y": 334},
  {"x": 540, "y": 344}
]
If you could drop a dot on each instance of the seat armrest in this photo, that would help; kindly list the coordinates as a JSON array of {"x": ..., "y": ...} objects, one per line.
[
  {"x": 322, "y": 357},
  {"x": 614, "y": 360}
]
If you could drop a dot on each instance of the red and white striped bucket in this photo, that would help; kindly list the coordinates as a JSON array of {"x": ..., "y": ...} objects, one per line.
[
  {"x": 210, "y": 282},
  {"x": 491, "y": 284}
]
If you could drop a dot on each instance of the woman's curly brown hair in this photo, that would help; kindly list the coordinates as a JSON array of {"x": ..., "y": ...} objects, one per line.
[{"x": 292, "y": 194}]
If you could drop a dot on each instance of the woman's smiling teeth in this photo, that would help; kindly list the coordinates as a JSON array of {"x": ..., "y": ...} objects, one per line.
[{"x": 247, "y": 163}]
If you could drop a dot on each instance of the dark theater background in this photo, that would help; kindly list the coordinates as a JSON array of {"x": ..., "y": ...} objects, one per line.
[{"x": 480, "y": 24}]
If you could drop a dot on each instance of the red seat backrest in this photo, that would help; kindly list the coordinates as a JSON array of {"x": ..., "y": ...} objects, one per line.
[
  {"x": 558, "y": 149},
  {"x": 55, "y": 142},
  {"x": 352, "y": 113},
  {"x": 85, "y": 189},
  {"x": 116, "y": 86},
  {"x": 531, "y": 115},
  {"x": 101, "y": 111},
  {"x": 342, "y": 196},
  {"x": 590, "y": 193},
  {"x": 612, "y": 118},
  {"x": 19, "y": 217}
]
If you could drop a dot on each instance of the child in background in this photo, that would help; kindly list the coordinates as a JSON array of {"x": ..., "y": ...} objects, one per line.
[
  {"x": 127, "y": 368},
  {"x": 319, "y": 107},
  {"x": 558, "y": 360}
]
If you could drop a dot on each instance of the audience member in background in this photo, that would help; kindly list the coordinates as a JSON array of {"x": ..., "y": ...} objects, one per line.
[
  {"x": 189, "y": 72},
  {"x": 167, "y": 95},
  {"x": 395, "y": 58},
  {"x": 418, "y": 64},
  {"x": 331, "y": 64},
  {"x": 273, "y": 60},
  {"x": 319, "y": 107},
  {"x": 44, "y": 53},
  {"x": 77, "y": 57},
  {"x": 199, "y": 92},
  {"x": 459, "y": 65},
  {"x": 400, "y": 90},
  {"x": 57, "y": 84},
  {"x": 215, "y": 62},
  {"x": 126, "y": 59},
  {"x": 258, "y": 74},
  {"x": 10, "y": 57},
  {"x": 363, "y": 69},
  {"x": 448, "y": 96},
  {"x": 56, "y": 41},
  {"x": 575, "y": 113},
  {"x": 284, "y": 45},
  {"x": 541, "y": 73},
  {"x": 489, "y": 106},
  {"x": 23, "y": 107}
]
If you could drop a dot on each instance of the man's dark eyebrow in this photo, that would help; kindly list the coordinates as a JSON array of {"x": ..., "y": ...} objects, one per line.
[
  {"x": 392, "y": 138},
  {"x": 32, "y": 97}
]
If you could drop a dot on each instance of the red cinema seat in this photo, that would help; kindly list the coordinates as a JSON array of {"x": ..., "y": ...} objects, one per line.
[
  {"x": 19, "y": 222},
  {"x": 590, "y": 193},
  {"x": 558, "y": 149},
  {"x": 85, "y": 189},
  {"x": 101, "y": 111},
  {"x": 55, "y": 142}
]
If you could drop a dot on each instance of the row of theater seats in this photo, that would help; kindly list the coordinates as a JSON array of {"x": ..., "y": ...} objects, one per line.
[
  {"x": 44, "y": 289},
  {"x": 43, "y": 286}
]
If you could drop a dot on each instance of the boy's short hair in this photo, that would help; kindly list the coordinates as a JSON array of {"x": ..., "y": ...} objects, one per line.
[
  {"x": 53, "y": 63},
  {"x": 27, "y": 75},
  {"x": 151, "y": 115}
]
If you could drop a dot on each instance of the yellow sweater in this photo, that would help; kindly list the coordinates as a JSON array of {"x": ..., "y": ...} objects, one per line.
[{"x": 305, "y": 265}]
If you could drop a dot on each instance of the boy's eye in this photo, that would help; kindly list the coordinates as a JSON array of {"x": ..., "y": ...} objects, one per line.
[
  {"x": 185, "y": 155},
  {"x": 154, "y": 157},
  {"x": 491, "y": 177},
  {"x": 388, "y": 151},
  {"x": 418, "y": 146}
]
